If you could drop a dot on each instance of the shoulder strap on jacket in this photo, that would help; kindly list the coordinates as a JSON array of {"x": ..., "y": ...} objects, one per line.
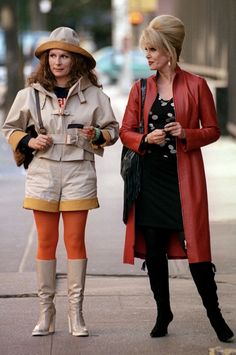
[{"x": 42, "y": 129}]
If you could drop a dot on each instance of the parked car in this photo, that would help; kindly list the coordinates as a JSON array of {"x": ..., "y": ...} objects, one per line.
[{"x": 110, "y": 64}]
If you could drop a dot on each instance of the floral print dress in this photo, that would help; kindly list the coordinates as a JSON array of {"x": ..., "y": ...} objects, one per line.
[{"x": 159, "y": 205}]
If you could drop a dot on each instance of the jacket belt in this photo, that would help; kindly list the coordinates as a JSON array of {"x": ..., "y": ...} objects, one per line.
[
  {"x": 76, "y": 140},
  {"x": 70, "y": 139}
]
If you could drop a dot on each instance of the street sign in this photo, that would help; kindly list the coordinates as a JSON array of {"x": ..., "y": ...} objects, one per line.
[{"x": 136, "y": 17}]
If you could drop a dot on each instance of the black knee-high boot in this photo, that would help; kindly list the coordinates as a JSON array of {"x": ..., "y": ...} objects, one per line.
[
  {"x": 157, "y": 265},
  {"x": 203, "y": 275}
]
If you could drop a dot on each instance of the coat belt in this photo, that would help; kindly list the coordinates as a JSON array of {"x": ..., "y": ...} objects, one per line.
[{"x": 65, "y": 138}]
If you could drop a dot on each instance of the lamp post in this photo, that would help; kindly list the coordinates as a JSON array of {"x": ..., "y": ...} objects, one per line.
[
  {"x": 44, "y": 7},
  {"x": 38, "y": 14},
  {"x": 122, "y": 42}
]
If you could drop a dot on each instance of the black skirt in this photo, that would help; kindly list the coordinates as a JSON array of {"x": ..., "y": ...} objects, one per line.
[{"x": 158, "y": 204}]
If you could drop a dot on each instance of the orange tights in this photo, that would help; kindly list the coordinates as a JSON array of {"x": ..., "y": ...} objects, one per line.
[{"x": 47, "y": 224}]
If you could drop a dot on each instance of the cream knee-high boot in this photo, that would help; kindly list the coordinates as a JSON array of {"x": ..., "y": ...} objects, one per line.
[
  {"x": 76, "y": 282},
  {"x": 46, "y": 275}
]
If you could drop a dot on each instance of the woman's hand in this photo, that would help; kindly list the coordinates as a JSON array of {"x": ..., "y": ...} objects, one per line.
[
  {"x": 156, "y": 137},
  {"x": 88, "y": 132},
  {"x": 175, "y": 129},
  {"x": 41, "y": 142}
]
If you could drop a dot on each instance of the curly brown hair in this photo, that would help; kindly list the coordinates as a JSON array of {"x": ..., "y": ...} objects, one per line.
[{"x": 80, "y": 67}]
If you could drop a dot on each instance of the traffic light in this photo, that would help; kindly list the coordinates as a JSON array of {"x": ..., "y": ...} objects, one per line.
[{"x": 135, "y": 17}]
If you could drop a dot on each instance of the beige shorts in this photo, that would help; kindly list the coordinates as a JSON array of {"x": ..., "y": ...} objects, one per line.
[{"x": 54, "y": 186}]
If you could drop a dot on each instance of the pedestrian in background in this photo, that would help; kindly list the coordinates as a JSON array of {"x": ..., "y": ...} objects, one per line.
[
  {"x": 61, "y": 179},
  {"x": 170, "y": 216}
]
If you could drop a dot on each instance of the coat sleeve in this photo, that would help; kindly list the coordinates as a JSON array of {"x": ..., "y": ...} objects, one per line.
[
  {"x": 130, "y": 124},
  {"x": 17, "y": 121},
  {"x": 106, "y": 121},
  {"x": 209, "y": 131}
]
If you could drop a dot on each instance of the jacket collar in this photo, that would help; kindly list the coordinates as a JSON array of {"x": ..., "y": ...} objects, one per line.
[
  {"x": 77, "y": 89},
  {"x": 178, "y": 70}
]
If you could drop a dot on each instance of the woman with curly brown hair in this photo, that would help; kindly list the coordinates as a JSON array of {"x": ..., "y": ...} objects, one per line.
[{"x": 78, "y": 122}]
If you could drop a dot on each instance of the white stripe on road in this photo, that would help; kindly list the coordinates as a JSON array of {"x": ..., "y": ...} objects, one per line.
[{"x": 27, "y": 249}]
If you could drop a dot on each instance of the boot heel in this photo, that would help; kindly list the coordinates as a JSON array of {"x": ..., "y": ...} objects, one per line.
[
  {"x": 161, "y": 327},
  {"x": 69, "y": 324},
  {"x": 77, "y": 328},
  {"x": 52, "y": 324},
  {"x": 223, "y": 332},
  {"x": 45, "y": 327}
]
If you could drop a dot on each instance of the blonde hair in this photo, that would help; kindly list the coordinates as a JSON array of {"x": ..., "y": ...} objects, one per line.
[{"x": 164, "y": 32}]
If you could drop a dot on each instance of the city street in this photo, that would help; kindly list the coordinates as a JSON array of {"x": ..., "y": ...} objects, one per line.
[{"x": 118, "y": 303}]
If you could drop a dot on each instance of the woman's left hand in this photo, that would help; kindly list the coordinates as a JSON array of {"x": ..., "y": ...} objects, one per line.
[
  {"x": 88, "y": 132},
  {"x": 175, "y": 129},
  {"x": 41, "y": 142}
]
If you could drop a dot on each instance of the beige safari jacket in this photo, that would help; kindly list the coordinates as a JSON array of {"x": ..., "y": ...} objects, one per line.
[{"x": 85, "y": 104}]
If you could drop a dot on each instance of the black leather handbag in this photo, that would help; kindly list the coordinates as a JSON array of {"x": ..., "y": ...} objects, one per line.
[{"x": 131, "y": 165}]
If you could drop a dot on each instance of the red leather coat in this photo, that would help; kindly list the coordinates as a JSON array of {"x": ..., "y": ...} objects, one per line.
[{"x": 195, "y": 110}]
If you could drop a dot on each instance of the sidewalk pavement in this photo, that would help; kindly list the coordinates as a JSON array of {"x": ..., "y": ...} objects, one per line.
[
  {"x": 119, "y": 309},
  {"x": 119, "y": 313}
]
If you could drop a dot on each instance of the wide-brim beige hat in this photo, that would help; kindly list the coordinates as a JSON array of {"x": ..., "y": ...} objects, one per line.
[{"x": 66, "y": 39}]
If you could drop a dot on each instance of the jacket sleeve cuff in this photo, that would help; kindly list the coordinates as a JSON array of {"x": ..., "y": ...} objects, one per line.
[
  {"x": 144, "y": 144},
  {"x": 15, "y": 138},
  {"x": 106, "y": 139},
  {"x": 23, "y": 144}
]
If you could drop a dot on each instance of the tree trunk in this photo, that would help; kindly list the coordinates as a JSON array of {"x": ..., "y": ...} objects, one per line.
[{"x": 14, "y": 57}]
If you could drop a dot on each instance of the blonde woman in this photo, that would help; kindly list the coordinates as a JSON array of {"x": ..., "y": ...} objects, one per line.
[{"x": 170, "y": 217}]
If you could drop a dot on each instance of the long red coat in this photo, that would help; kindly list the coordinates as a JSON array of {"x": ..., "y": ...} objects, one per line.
[{"x": 195, "y": 110}]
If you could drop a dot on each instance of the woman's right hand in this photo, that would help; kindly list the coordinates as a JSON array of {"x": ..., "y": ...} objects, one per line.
[
  {"x": 41, "y": 142},
  {"x": 156, "y": 137}
]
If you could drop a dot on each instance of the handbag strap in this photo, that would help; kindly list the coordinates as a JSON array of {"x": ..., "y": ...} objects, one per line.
[
  {"x": 143, "y": 84},
  {"x": 42, "y": 129}
]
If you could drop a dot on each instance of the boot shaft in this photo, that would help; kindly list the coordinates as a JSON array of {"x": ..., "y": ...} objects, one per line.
[
  {"x": 158, "y": 274},
  {"x": 76, "y": 283},
  {"x": 76, "y": 274},
  {"x": 204, "y": 278},
  {"x": 46, "y": 278}
]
